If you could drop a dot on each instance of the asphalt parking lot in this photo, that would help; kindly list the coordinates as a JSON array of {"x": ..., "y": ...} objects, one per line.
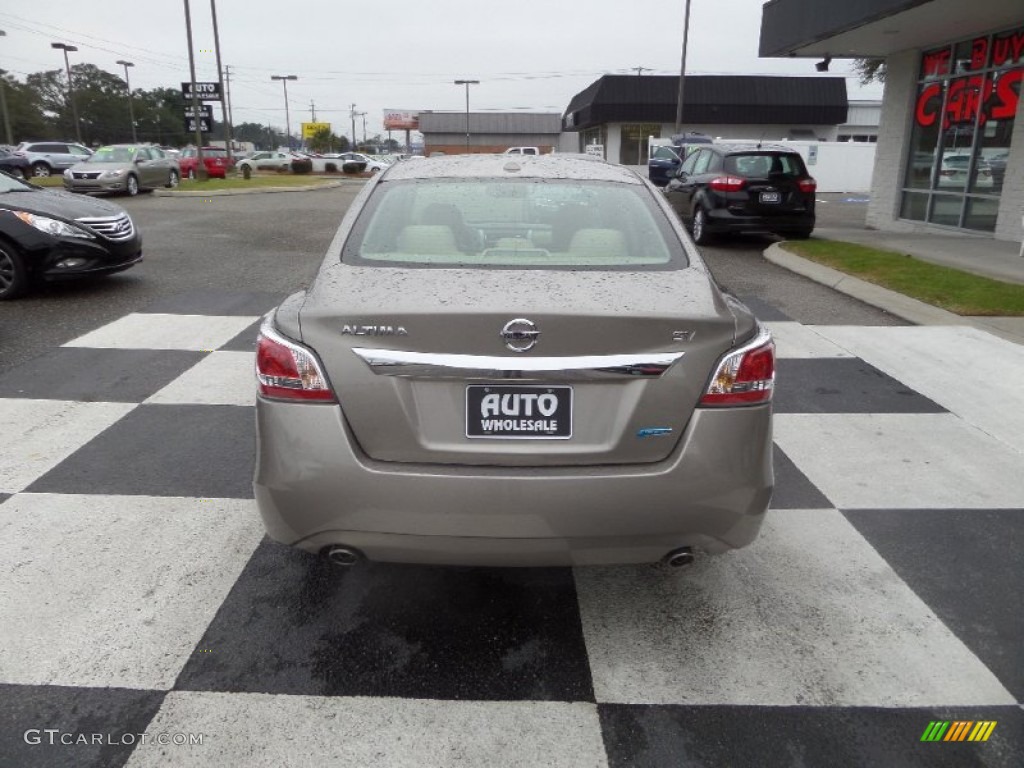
[{"x": 139, "y": 596}]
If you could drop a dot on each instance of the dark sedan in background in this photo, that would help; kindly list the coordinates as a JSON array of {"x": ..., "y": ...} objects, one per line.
[{"x": 50, "y": 235}]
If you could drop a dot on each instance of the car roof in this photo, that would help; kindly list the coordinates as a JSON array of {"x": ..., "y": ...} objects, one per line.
[
  {"x": 502, "y": 166},
  {"x": 753, "y": 146}
]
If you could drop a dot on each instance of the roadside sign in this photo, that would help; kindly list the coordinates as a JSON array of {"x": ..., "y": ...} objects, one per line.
[
  {"x": 190, "y": 125},
  {"x": 597, "y": 150},
  {"x": 205, "y": 91},
  {"x": 309, "y": 130},
  {"x": 205, "y": 111}
]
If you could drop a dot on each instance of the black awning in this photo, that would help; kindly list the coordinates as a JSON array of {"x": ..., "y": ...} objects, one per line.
[{"x": 735, "y": 99}]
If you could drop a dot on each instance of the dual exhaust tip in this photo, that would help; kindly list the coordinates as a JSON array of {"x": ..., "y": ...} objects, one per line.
[{"x": 346, "y": 557}]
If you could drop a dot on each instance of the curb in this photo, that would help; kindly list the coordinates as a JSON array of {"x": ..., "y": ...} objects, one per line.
[
  {"x": 254, "y": 191},
  {"x": 911, "y": 310}
]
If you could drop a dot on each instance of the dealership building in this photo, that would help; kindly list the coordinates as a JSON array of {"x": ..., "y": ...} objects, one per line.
[{"x": 950, "y": 148}]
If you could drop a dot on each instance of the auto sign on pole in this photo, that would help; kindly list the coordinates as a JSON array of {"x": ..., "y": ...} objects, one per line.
[{"x": 204, "y": 91}]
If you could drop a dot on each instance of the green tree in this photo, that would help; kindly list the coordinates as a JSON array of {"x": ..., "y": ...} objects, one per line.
[
  {"x": 869, "y": 69},
  {"x": 321, "y": 141},
  {"x": 25, "y": 111}
]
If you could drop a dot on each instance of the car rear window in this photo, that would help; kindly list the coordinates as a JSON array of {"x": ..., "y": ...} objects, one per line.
[
  {"x": 764, "y": 164},
  {"x": 520, "y": 223}
]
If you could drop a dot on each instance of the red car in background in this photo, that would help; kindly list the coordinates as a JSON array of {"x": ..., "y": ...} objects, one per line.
[{"x": 214, "y": 158}]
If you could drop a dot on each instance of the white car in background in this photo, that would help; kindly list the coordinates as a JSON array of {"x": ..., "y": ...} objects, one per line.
[
  {"x": 269, "y": 161},
  {"x": 373, "y": 165}
]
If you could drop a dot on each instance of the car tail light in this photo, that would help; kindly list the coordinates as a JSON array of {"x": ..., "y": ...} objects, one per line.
[
  {"x": 745, "y": 376},
  {"x": 286, "y": 370},
  {"x": 807, "y": 185},
  {"x": 727, "y": 183}
]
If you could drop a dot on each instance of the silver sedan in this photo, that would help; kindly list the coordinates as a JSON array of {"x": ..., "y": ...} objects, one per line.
[{"x": 513, "y": 361}]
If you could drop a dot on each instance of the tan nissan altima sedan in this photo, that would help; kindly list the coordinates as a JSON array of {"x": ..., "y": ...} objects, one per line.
[{"x": 515, "y": 362}]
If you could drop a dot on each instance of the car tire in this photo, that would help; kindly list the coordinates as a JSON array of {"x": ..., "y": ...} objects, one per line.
[
  {"x": 172, "y": 180},
  {"x": 798, "y": 234},
  {"x": 41, "y": 170},
  {"x": 699, "y": 227},
  {"x": 13, "y": 274},
  {"x": 131, "y": 186},
  {"x": 17, "y": 173}
]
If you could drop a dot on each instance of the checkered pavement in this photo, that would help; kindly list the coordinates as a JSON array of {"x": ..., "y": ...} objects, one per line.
[{"x": 138, "y": 594}]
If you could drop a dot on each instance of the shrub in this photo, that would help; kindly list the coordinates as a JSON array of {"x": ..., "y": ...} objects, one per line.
[
  {"x": 330, "y": 168},
  {"x": 302, "y": 166}
]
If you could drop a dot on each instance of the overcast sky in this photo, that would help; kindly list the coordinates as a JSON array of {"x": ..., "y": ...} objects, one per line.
[{"x": 528, "y": 55}]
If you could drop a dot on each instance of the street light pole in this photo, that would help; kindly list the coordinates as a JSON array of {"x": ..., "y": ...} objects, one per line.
[
  {"x": 3, "y": 102},
  {"x": 682, "y": 71},
  {"x": 128, "y": 87},
  {"x": 220, "y": 81},
  {"x": 352, "y": 115},
  {"x": 467, "y": 83},
  {"x": 287, "y": 115},
  {"x": 71, "y": 90}
]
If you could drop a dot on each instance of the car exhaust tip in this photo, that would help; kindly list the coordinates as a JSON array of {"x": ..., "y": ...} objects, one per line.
[
  {"x": 679, "y": 558},
  {"x": 341, "y": 556}
]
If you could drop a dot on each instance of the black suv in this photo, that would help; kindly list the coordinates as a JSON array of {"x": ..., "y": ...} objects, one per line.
[{"x": 743, "y": 188}]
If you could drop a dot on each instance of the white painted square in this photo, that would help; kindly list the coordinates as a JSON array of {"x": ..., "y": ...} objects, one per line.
[
  {"x": 967, "y": 371},
  {"x": 902, "y": 461},
  {"x": 262, "y": 729},
  {"x": 114, "y": 590},
  {"x": 197, "y": 333},
  {"x": 220, "y": 378},
  {"x": 36, "y": 435},
  {"x": 794, "y": 340},
  {"x": 810, "y": 614}
]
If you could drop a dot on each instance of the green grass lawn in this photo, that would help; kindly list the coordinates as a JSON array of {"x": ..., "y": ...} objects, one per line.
[
  {"x": 231, "y": 182},
  {"x": 951, "y": 289}
]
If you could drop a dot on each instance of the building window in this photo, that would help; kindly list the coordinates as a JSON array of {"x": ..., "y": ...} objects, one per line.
[
  {"x": 633, "y": 144},
  {"x": 967, "y": 98}
]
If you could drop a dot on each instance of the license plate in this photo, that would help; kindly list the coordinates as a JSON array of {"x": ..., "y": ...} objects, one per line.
[
  {"x": 519, "y": 413},
  {"x": 770, "y": 197}
]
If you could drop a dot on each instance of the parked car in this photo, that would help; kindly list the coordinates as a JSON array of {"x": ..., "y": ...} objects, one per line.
[
  {"x": 368, "y": 163},
  {"x": 15, "y": 165},
  {"x": 953, "y": 172},
  {"x": 732, "y": 188},
  {"x": 473, "y": 379},
  {"x": 522, "y": 151},
  {"x": 665, "y": 160},
  {"x": 269, "y": 161},
  {"x": 214, "y": 158},
  {"x": 49, "y": 157},
  {"x": 50, "y": 235},
  {"x": 126, "y": 168}
]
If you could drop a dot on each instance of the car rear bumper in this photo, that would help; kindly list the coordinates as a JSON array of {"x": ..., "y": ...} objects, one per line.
[
  {"x": 724, "y": 220},
  {"x": 314, "y": 488}
]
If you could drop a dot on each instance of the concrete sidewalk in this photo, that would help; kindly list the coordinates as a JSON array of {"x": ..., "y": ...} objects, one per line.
[{"x": 997, "y": 259}]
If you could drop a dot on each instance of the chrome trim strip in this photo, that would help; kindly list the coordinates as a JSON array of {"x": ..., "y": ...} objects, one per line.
[{"x": 393, "y": 362}]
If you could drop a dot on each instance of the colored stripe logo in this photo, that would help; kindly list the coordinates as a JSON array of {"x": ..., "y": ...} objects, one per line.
[{"x": 958, "y": 730}]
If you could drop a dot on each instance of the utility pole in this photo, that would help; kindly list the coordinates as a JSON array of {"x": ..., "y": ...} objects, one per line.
[
  {"x": 352, "y": 114},
  {"x": 220, "y": 83},
  {"x": 201, "y": 173},
  {"x": 641, "y": 70},
  {"x": 682, "y": 71},
  {"x": 128, "y": 87},
  {"x": 227, "y": 92},
  {"x": 312, "y": 111},
  {"x": 3, "y": 102}
]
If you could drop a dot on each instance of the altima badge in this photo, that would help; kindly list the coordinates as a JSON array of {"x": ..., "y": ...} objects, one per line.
[
  {"x": 520, "y": 335},
  {"x": 373, "y": 330}
]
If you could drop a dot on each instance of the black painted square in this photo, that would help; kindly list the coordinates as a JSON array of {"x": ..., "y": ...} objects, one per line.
[
  {"x": 216, "y": 303},
  {"x": 293, "y": 624},
  {"x": 4, "y": 497},
  {"x": 97, "y": 375},
  {"x": 763, "y": 310},
  {"x": 793, "y": 490},
  {"x": 644, "y": 736},
  {"x": 164, "y": 450},
  {"x": 843, "y": 385},
  {"x": 245, "y": 341},
  {"x": 116, "y": 714},
  {"x": 966, "y": 565}
]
